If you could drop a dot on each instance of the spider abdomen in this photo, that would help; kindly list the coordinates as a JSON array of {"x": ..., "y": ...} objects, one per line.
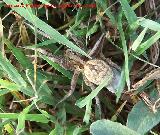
[{"x": 95, "y": 71}]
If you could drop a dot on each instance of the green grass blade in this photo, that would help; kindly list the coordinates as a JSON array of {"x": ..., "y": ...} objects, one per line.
[
  {"x": 147, "y": 44},
  {"x": 3, "y": 92},
  {"x": 103, "y": 4},
  {"x": 48, "y": 116},
  {"x": 44, "y": 2},
  {"x": 44, "y": 43},
  {"x": 147, "y": 23},
  {"x": 88, "y": 112},
  {"x": 129, "y": 12},
  {"x": 94, "y": 93},
  {"x": 140, "y": 50},
  {"x": 57, "y": 67},
  {"x": 51, "y": 32},
  {"x": 125, "y": 51},
  {"x": 139, "y": 39},
  {"x": 45, "y": 94},
  {"x": 22, "y": 118},
  {"x": 138, "y": 4},
  {"x": 9, "y": 85},
  {"x": 22, "y": 59},
  {"x": 30, "y": 117},
  {"x": 11, "y": 71}
]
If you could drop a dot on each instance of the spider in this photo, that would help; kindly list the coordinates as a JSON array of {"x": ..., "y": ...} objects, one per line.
[{"x": 93, "y": 70}]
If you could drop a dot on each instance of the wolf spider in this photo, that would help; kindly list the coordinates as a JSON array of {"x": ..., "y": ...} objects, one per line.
[{"x": 94, "y": 70}]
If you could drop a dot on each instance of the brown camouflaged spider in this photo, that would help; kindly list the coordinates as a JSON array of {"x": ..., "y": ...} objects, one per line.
[{"x": 94, "y": 70}]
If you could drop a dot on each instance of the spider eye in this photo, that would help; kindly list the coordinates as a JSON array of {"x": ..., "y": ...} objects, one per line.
[{"x": 69, "y": 52}]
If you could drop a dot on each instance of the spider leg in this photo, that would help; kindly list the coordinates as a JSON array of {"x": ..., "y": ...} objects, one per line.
[
  {"x": 97, "y": 46},
  {"x": 79, "y": 42},
  {"x": 99, "y": 106},
  {"x": 73, "y": 85},
  {"x": 57, "y": 59}
]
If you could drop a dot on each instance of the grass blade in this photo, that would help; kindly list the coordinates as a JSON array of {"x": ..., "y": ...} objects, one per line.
[
  {"x": 23, "y": 60},
  {"x": 128, "y": 11},
  {"x": 11, "y": 71},
  {"x": 125, "y": 51},
  {"x": 94, "y": 93},
  {"x": 147, "y": 44},
  {"x": 30, "y": 117},
  {"x": 103, "y": 4},
  {"x": 147, "y": 23},
  {"x": 57, "y": 67},
  {"x": 139, "y": 39},
  {"x": 9, "y": 85},
  {"x": 52, "y": 33}
]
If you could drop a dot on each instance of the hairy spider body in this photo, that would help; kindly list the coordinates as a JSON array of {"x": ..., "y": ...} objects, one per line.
[
  {"x": 73, "y": 61},
  {"x": 94, "y": 70}
]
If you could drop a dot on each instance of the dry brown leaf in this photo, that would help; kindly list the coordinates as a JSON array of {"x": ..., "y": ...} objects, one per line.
[{"x": 154, "y": 74}]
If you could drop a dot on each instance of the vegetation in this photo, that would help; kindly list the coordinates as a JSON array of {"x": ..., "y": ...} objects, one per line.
[{"x": 31, "y": 84}]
